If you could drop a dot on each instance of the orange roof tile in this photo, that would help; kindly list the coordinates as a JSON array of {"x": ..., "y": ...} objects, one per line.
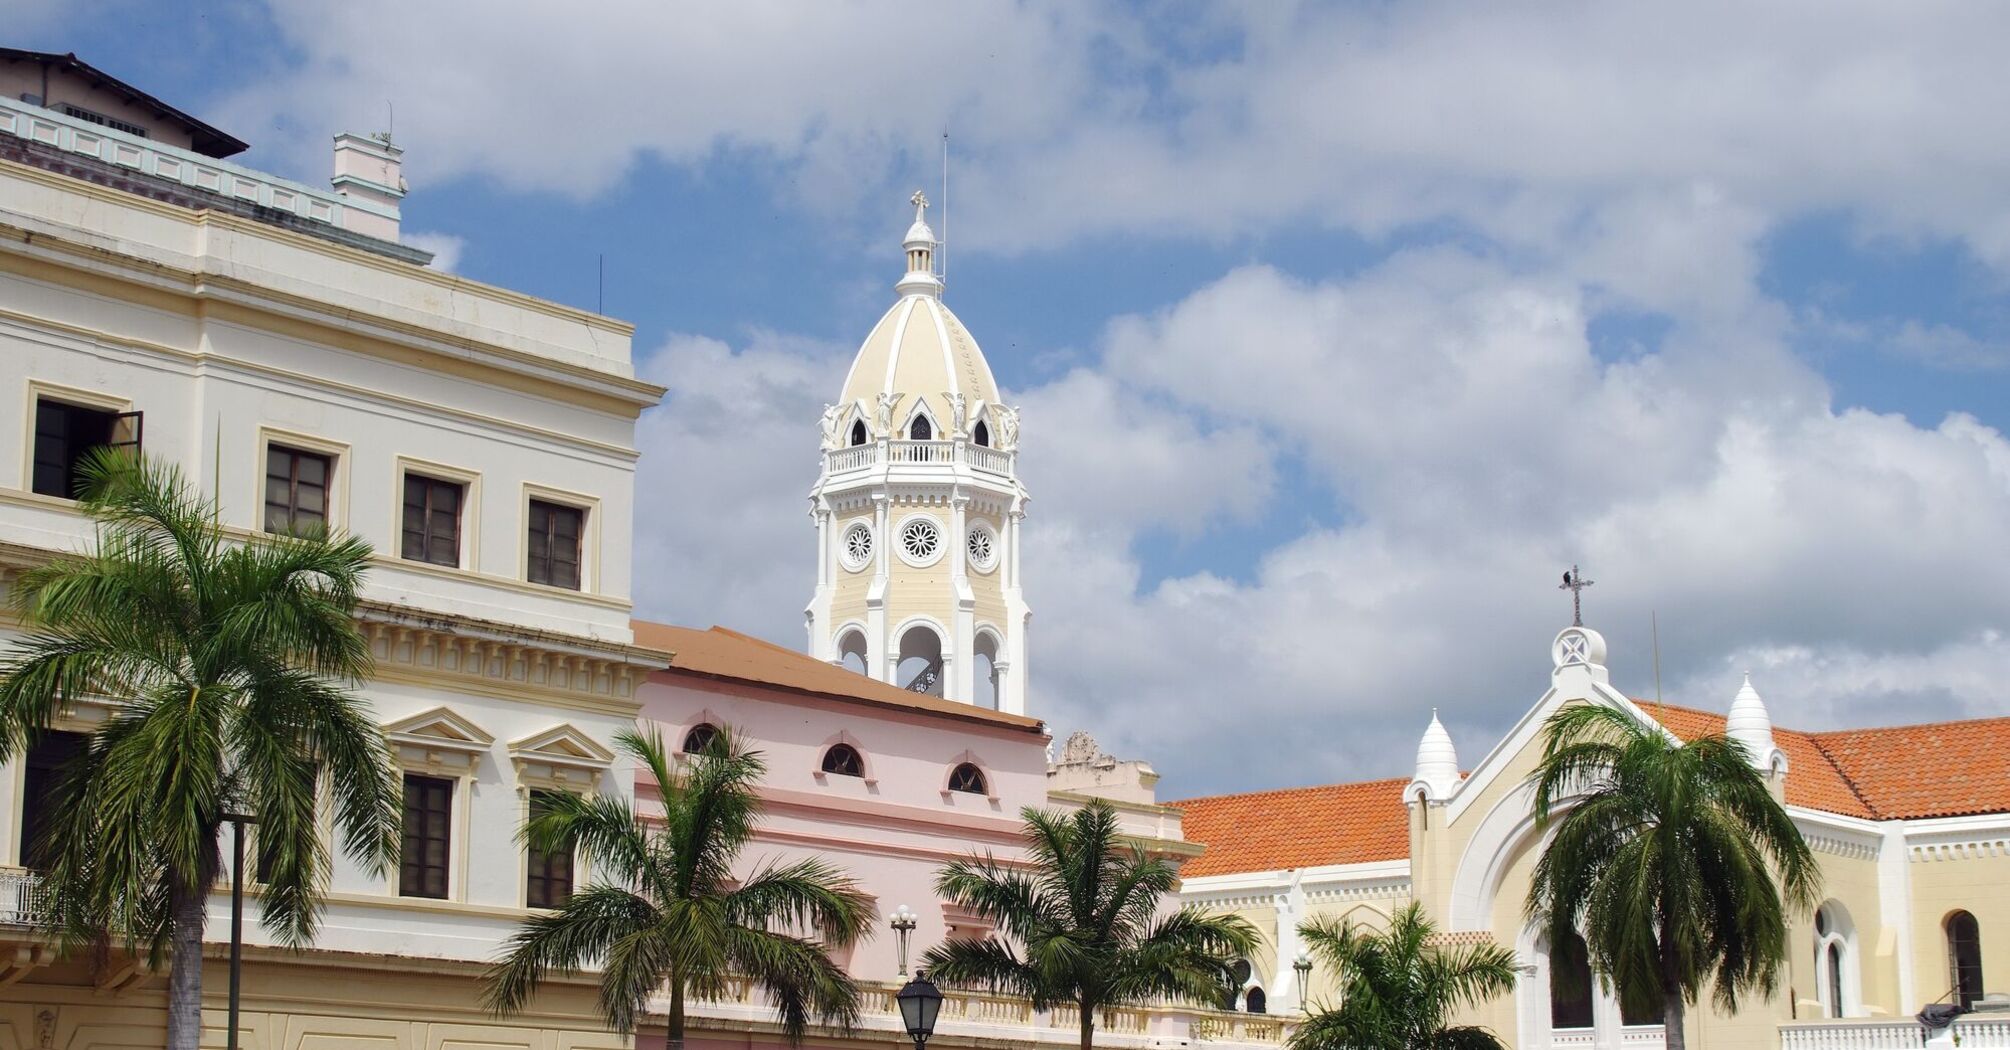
[
  {"x": 1297, "y": 827},
  {"x": 1813, "y": 780},
  {"x": 1941, "y": 769},
  {"x": 723, "y": 653}
]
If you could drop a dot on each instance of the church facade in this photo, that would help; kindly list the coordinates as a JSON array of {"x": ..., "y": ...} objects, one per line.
[{"x": 1910, "y": 824}]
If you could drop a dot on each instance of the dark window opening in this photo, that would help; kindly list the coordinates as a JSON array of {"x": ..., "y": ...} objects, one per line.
[
  {"x": 433, "y": 520},
  {"x": 1569, "y": 984},
  {"x": 1964, "y": 958},
  {"x": 968, "y": 778},
  {"x": 858, "y": 432},
  {"x": 1835, "y": 963},
  {"x": 981, "y": 434},
  {"x": 296, "y": 491},
  {"x": 550, "y": 883},
  {"x": 1255, "y": 1001},
  {"x": 700, "y": 737},
  {"x": 65, "y": 434},
  {"x": 422, "y": 858},
  {"x": 554, "y": 544},
  {"x": 41, "y": 784},
  {"x": 94, "y": 117},
  {"x": 919, "y": 430},
  {"x": 844, "y": 760}
]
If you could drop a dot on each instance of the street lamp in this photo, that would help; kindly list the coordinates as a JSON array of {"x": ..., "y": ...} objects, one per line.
[
  {"x": 903, "y": 928},
  {"x": 1303, "y": 967},
  {"x": 919, "y": 1001},
  {"x": 237, "y": 823}
]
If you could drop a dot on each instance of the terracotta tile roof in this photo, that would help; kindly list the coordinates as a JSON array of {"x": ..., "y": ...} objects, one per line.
[
  {"x": 1813, "y": 779},
  {"x": 722, "y": 653},
  {"x": 1297, "y": 827}
]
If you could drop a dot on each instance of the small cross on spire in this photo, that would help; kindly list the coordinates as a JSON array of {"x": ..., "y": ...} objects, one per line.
[
  {"x": 1575, "y": 583},
  {"x": 920, "y": 202}
]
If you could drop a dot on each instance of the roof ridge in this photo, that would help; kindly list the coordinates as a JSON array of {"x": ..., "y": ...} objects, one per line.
[
  {"x": 1302, "y": 789},
  {"x": 1848, "y": 781},
  {"x": 1818, "y": 734}
]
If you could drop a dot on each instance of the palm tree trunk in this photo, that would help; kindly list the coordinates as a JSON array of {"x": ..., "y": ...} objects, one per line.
[
  {"x": 1088, "y": 1025},
  {"x": 1672, "y": 1037},
  {"x": 184, "y": 1021},
  {"x": 673, "y": 1038}
]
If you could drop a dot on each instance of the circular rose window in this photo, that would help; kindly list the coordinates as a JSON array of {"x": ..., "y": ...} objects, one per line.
[
  {"x": 857, "y": 548},
  {"x": 982, "y": 547},
  {"x": 920, "y": 541}
]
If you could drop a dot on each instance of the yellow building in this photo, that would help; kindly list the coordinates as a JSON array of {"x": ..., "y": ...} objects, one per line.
[{"x": 1911, "y": 825}]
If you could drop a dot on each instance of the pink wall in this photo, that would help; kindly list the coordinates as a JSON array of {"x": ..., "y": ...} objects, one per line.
[{"x": 893, "y": 829}]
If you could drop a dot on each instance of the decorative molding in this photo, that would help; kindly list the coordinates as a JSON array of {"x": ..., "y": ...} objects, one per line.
[
  {"x": 518, "y": 665},
  {"x": 439, "y": 739},
  {"x": 1959, "y": 849},
  {"x": 561, "y": 757}
]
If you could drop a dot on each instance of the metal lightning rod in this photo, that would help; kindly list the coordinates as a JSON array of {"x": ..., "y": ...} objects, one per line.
[{"x": 942, "y": 247}]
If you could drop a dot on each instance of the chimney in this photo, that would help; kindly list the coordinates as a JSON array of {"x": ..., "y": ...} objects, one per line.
[{"x": 369, "y": 178}]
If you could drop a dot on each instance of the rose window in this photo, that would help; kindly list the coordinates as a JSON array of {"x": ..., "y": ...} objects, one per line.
[
  {"x": 920, "y": 541},
  {"x": 982, "y": 545},
  {"x": 857, "y": 546}
]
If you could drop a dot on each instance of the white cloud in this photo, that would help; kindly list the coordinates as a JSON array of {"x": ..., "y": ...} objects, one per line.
[
  {"x": 1474, "y": 445},
  {"x": 446, "y": 248}
]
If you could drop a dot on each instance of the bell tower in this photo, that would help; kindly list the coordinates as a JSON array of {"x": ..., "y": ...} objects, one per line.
[{"x": 918, "y": 506}]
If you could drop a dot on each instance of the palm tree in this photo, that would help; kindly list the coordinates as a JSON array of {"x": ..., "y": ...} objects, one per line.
[
  {"x": 673, "y": 912},
  {"x": 229, "y": 664},
  {"x": 1398, "y": 990},
  {"x": 1087, "y": 920},
  {"x": 1674, "y": 859}
]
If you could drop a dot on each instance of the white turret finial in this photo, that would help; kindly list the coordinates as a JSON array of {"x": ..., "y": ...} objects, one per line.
[
  {"x": 1437, "y": 763},
  {"x": 919, "y": 244},
  {"x": 1750, "y": 724}
]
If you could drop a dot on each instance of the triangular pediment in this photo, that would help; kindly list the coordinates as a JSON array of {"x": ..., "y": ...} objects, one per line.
[
  {"x": 440, "y": 727},
  {"x": 564, "y": 744}
]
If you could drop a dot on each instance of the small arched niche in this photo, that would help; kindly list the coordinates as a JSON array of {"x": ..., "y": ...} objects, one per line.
[
  {"x": 920, "y": 667},
  {"x": 858, "y": 435},
  {"x": 981, "y": 433}
]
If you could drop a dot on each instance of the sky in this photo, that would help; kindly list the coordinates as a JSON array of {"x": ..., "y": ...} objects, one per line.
[{"x": 1339, "y": 330}]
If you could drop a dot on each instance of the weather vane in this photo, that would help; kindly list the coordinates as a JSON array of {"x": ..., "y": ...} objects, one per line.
[{"x": 1575, "y": 583}]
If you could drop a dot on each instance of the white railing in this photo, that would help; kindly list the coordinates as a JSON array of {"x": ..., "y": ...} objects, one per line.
[
  {"x": 178, "y": 165},
  {"x": 1906, "y": 1034},
  {"x": 859, "y": 457},
  {"x": 986, "y": 1014},
  {"x": 20, "y": 897},
  {"x": 1977, "y": 1034}
]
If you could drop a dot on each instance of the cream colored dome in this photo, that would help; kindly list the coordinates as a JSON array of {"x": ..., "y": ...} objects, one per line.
[{"x": 920, "y": 351}]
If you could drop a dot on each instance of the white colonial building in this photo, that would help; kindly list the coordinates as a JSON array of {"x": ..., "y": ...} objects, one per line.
[{"x": 918, "y": 507}]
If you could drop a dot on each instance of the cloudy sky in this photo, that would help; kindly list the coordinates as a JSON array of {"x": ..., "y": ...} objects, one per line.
[{"x": 1340, "y": 331}]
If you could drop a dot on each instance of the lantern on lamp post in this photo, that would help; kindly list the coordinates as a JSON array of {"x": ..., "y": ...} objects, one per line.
[
  {"x": 920, "y": 1001},
  {"x": 1302, "y": 966},
  {"x": 903, "y": 928}
]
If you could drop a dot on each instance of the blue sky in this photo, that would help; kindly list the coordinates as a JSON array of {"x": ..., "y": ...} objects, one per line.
[{"x": 1341, "y": 329}]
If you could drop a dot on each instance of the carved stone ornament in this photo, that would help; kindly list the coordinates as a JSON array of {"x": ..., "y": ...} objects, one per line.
[
  {"x": 1008, "y": 427},
  {"x": 883, "y": 413},
  {"x": 956, "y": 411},
  {"x": 832, "y": 413},
  {"x": 1080, "y": 749}
]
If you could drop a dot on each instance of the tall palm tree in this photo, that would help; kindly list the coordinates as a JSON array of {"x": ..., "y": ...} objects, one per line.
[
  {"x": 1674, "y": 859},
  {"x": 672, "y": 912},
  {"x": 1086, "y": 921},
  {"x": 229, "y": 666},
  {"x": 1398, "y": 990}
]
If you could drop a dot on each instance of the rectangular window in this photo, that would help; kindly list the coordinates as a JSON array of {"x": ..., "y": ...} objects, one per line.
[
  {"x": 429, "y": 826},
  {"x": 296, "y": 490},
  {"x": 550, "y": 883},
  {"x": 433, "y": 520},
  {"x": 554, "y": 543},
  {"x": 65, "y": 433},
  {"x": 51, "y": 752}
]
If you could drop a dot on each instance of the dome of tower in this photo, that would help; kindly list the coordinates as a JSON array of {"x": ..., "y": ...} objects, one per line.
[
  {"x": 1750, "y": 724},
  {"x": 1437, "y": 761},
  {"x": 920, "y": 355}
]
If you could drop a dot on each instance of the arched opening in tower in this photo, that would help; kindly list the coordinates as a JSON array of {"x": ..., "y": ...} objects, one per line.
[
  {"x": 851, "y": 652},
  {"x": 920, "y": 661},
  {"x": 986, "y": 671}
]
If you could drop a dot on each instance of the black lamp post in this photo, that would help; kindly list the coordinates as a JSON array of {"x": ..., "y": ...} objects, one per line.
[
  {"x": 237, "y": 823},
  {"x": 919, "y": 1001}
]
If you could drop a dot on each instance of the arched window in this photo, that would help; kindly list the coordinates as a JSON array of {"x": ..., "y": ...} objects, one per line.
[
  {"x": 700, "y": 737},
  {"x": 1570, "y": 984},
  {"x": 919, "y": 430},
  {"x": 858, "y": 432},
  {"x": 1835, "y": 963},
  {"x": 1964, "y": 958},
  {"x": 1255, "y": 1000},
  {"x": 967, "y": 778},
  {"x": 981, "y": 434},
  {"x": 844, "y": 760},
  {"x": 1834, "y": 968}
]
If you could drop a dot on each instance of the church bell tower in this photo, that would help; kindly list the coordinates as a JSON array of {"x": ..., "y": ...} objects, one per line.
[{"x": 918, "y": 507}]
